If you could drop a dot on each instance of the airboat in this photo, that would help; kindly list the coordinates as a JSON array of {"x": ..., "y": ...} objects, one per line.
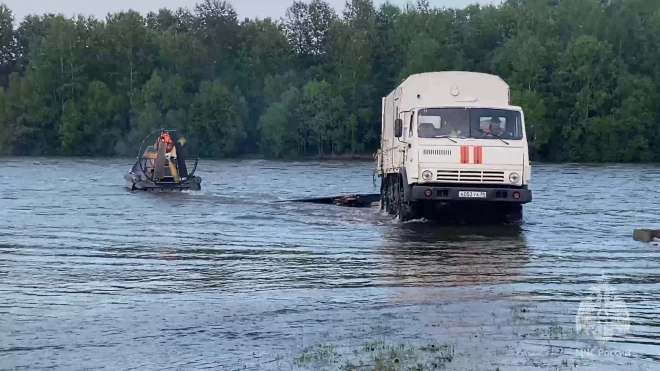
[{"x": 162, "y": 166}]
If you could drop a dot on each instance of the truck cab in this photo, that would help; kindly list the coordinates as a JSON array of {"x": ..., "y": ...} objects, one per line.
[{"x": 452, "y": 139}]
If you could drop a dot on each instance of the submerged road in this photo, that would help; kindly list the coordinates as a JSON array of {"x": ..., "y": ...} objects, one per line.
[{"x": 95, "y": 277}]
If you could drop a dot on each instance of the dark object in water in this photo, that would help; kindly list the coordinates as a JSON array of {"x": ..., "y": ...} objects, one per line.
[
  {"x": 646, "y": 235},
  {"x": 162, "y": 166},
  {"x": 356, "y": 200}
]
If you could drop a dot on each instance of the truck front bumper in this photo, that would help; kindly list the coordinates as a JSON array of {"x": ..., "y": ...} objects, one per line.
[{"x": 467, "y": 193}]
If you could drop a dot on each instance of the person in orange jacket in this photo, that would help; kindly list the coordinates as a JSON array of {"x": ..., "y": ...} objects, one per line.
[{"x": 170, "y": 150}]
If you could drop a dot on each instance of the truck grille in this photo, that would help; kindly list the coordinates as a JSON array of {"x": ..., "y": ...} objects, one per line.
[{"x": 470, "y": 176}]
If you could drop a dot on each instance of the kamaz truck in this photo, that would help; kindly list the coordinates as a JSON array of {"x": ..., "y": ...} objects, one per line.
[{"x": 453, "y": 146}]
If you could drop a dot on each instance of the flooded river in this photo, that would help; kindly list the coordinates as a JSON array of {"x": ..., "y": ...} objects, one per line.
[{"x": 95, "y": 277}]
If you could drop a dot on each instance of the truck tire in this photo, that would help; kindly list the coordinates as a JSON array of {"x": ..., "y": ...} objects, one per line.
[
  {"x": 514, "y": 214},
  {"x": 382, "y": 194},
  {"x": 393, "y": 197},
  {"x": 405, "y": 210},
  {"x": 386, "y": 199},
  {"x": 396, "y": 197}
]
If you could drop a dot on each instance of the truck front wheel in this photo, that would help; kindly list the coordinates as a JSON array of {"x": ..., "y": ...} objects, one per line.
[{"x": 514, "y": 213}]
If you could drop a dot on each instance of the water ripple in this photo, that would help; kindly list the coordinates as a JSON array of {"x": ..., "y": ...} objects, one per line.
[{"x": 94, "y": 276}]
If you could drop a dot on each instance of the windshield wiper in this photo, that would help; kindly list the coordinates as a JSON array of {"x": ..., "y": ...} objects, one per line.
[
  {"x": 445, "y": 136},
  {"x": 496, "y": 136}
]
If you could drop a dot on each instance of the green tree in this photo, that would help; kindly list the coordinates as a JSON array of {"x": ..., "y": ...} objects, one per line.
[
  {"x": 217, "y": 119},
  {"x": 584, "y": 71},
  {"x": 7, "y": 45},
  {"x": 320, "y": 113},
  {"x": 279, "y": 126}
]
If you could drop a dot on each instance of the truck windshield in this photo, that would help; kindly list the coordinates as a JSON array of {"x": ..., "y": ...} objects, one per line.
[{"x": 481, "y": 123}]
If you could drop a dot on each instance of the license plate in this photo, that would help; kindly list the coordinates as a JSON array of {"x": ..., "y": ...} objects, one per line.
[{"x": 472, "y": 194}]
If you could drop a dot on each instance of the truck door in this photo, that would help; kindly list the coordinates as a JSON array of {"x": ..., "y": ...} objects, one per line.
[
  {"x": 411, "y": 155},
  {"x": 406, "y": 132}
]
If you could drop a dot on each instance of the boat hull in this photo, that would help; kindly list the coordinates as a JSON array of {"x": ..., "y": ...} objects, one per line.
[{"x": 135, "y": 182}]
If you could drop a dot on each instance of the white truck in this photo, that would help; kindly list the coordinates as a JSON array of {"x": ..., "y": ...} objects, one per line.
[{"x": 452, "y": 143}]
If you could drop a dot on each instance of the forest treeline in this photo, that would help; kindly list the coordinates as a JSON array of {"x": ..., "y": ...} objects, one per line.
[{"x": 586, "y": 72}]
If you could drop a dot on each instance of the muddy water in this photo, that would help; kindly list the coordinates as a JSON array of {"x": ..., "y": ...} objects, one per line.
[{"x": 94, "y": 277}]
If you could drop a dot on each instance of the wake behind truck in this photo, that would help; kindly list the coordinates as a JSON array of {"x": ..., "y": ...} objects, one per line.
[{"x": 453, "y": 146}]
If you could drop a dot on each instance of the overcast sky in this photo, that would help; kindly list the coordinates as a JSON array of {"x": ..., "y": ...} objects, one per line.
[{"x": 245, "y": 8}]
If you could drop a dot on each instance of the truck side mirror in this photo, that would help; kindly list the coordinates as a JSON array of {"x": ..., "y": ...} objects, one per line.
[
  {"x": 398, "y": 128},
  {"x": 532, "y": 134}
]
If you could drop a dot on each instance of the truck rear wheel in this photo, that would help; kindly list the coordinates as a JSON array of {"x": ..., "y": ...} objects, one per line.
[
  {"x": 392, "y": 199},
  {"x": 386, "y": 198},
  {"x": 382, "y": 193}
]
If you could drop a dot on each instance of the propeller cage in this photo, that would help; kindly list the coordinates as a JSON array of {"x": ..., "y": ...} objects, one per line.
[{"x": 154, "y": 164}]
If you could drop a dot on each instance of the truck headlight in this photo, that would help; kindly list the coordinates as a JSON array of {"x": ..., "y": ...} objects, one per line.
[
  {"x": 427, "y": 175},
  {"x": 514, "y": 177}
]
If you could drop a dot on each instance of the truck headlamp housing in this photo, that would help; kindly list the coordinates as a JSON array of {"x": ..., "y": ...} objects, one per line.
[
  {"x": 514, "y": 177},
  {"x": 427, "y": 175}
]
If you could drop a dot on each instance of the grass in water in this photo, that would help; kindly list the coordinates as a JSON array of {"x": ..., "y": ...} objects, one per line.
[
  {"x": 318, "y": 353},
  {"x": 378, "y": 355}
]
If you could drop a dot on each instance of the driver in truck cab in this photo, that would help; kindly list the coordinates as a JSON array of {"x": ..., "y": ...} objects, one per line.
[{"x": 495, "y": 127}]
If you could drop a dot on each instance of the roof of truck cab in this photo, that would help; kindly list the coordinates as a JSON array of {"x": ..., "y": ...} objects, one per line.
[
  {"x": 474, "y": 105},
  {"x": 450, "y": 74},
  {"x": 455, "y": 72},
  {"x": 452, "y": 88}
]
